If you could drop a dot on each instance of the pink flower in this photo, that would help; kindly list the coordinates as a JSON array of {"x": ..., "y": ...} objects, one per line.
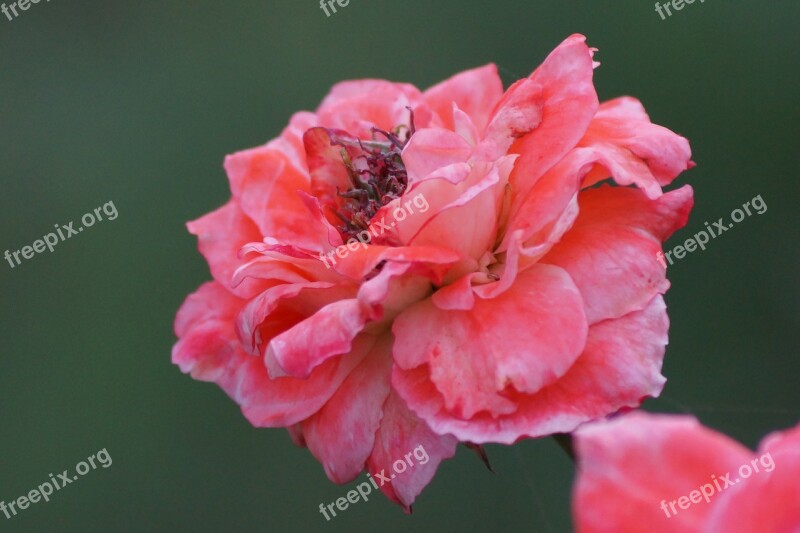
[
  {"x": 404, "y": 268},
  {"x": 655, "y": 473}
]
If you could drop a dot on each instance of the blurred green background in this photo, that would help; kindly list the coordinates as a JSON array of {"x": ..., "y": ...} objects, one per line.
[{"x": 138, "y": 103}]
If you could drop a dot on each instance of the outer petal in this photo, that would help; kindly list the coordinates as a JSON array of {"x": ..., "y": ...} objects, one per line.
[
  {"x": 547, "y": 114},
  {"x": 629, "y": 465},
  {"x": 651, "y": 152},
  {"x": 612, "y": 250},
  {"x": 342, "y": 434},
  {"x": 220, "y": 235},
  {"x": 625, "y": 206},
  {"x": 209, "y": 349},
  {"x": 403, "y": 437},
  {"x": 515, "y": 340},
  {"x": 475, "y": 92},
  {"x": 620, "y": 365},
  {"x": 767, "y": 500}
]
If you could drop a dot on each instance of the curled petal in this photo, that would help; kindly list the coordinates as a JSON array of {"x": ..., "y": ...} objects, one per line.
[
  {"x": 359, "y": 106},
  {"x": 209, "y": 350},
  {"x": 635, "y": 146},
  {"x": 331, "y": 329},
  {"x": 265, "y": 184}
]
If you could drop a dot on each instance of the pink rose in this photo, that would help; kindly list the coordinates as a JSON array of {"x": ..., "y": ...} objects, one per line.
[
  {"x": 405, "y": 268},
  {"x": 666, "y": 473}
]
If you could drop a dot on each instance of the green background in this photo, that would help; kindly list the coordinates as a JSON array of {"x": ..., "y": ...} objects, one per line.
[{"x": 139, "y": 102}]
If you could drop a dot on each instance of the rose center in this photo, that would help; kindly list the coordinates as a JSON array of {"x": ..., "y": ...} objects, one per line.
[{"x": 377, "y": 176}]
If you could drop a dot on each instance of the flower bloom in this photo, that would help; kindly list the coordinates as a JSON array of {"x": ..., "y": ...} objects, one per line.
[
  {"x": 666, "y": 473},
  {"x": 403, "y": 268}
]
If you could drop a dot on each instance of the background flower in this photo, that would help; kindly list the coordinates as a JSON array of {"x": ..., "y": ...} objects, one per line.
[{"x": 655, "y": 473}]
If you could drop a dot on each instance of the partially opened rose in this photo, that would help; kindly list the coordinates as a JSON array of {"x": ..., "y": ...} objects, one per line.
[
  {"x": 666, "y": 473},
  {"x": 405, "y": 268}
]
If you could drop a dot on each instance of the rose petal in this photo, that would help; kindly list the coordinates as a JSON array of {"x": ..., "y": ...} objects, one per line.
[
  {"x": 264, "y": 182},
  {"x": 220, "y": 235},
  {"x": 767, "y": 500},
  {"x": 209, "y": 350},
  {"x": 612, "y": 250},
  {"x": 474, "y": 91},
  {"x": 545, "y": 115},
  {"x": 431, "y": 149}
]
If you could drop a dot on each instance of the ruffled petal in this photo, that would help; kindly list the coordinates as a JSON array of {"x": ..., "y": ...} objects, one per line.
[
  {"x": 636, "y": 150},
  {"x": 331, "y": 329},
  {"x": 209, "y": 350},
  {"x": 359, "y": 106},
  {"x": 620, "y": 366},
  {"x": 283, "y": 306},
  {"x": 265, "y": 183},
  {"x": 513, "y": 341}
]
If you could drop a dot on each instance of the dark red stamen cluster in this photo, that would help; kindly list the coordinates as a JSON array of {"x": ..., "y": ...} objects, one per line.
[{"x": 378, "y": 176}]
